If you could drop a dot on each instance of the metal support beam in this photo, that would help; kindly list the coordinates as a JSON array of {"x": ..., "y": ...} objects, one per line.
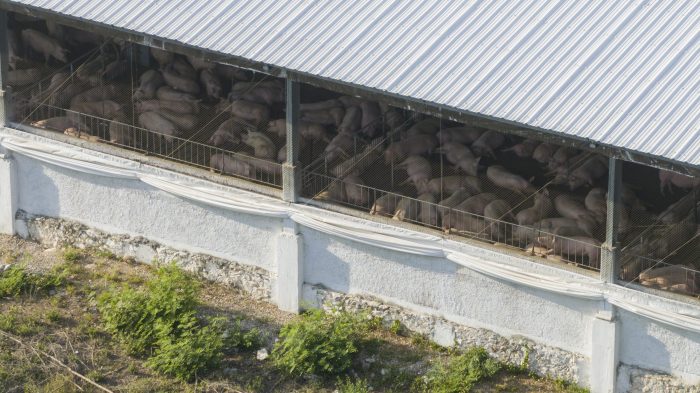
[
  {"x": 291, "y": 171},
  {"x": 4, "y": 67},
  {"x": 610, "y": 266}
]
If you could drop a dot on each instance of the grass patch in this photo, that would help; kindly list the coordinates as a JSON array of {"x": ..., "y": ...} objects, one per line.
[
  {"x": 347, "y": 385},
  {"x": 16, "y": 280},
  {"x": 14, "y": 322},
  {"x": 460, "y": 373}
]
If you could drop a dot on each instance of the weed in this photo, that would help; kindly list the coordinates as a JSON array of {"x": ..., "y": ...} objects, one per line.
[
  {"x": 12, "y": 321},
  {"x": 460, "y": 373},
  {"x": 396, "y": 327},
  {"x": 236, "y": 338},
  {"x": 568, "y": 387},
  {"x": 95, "y": 375},
  {"x": 349, "y": 386},
  {"x": 13, "y": 281},
  {"x": 320, "y": 343},
  {"x": 72, "y": 255},
  {"x": 16, "y": 280},
  {"x": 104, "y": 254},
  {"x": 53, "y": 315},
  {"x": 254, "y": 385}
]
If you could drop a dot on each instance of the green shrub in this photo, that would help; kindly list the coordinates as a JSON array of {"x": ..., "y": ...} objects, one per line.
[
  {"x": 13, "y": 281},
  {"x": 133, "y": 315},
  {"x": 72, "y": 254},
  {"x": 16, "y": 280},
  {"x": 349, "y": 386},
  {"x": 461, "y": 372},
  {"x": 195, "y": 350},
  {"x": 319, "y": 343},
  {"x": 161, "y": 321}
]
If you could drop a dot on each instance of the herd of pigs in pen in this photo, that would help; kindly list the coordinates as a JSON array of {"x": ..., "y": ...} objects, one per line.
[{"x": 541, "y": 198}]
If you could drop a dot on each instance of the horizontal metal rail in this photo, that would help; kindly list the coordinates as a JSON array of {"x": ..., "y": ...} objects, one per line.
[
  {"x": 433, "y": 215},
  {"x": 657, "y": 274},
  {"x": 158, "y": 144}
]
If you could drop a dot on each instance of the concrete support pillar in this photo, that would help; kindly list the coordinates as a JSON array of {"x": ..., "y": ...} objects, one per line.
[
  {"x": 291, "y": 171},
  {"x": 610, "y": 265},
  {"x": 5, "y": 110},
  {"x": 290, "y": 267},
  {"x": 8, "y": 194},
  {"x": 604, "y": 356}
]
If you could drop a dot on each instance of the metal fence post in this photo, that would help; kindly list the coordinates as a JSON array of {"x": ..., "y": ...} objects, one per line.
[
  {"x": 610, "y": 265},
  {"x": 291, "y": 173},
  {"x": 5, "y": 108}
]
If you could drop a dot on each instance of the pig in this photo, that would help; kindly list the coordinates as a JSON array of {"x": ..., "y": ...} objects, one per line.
[
  {"x": 427, "y": 209},
  {"x": 163, "y": 58},
  {"x": 114, "y": 70},
  {"x": 201, "y": 64},
  {"x": 496, "y": 212},
  {"x": 592, "y": 169},
  {"x": 23, "y": 77},
  {"x": 668, "y": 179},
  {"x": 371, "y": 123},
  {"x": 232, "y": 73},
  {"x": 406, "y": 209},
  {"x": 464, "y": 135},
  {"x": 552, "y": 224},
  {"x": 212, "y": 84},
  {"x": 419, "y": 171},
  {"x": 282, "y": 154},
  {"x": 596, "y": 203},
  {"x": 524, "y": 149},
  {"x": 542, "y": 208},
  {"x": 167, "y": 93},
  {"x": 60, "y": 123},
  {"x": 307, "y": 130},
  {"x": 228, "y": 165},
  {"x": 155, "y": 122},
  {"x": 384, "y": 205},
  {"x": 561, "y": 156},
  {"x": 320, "y": 105},
  {"x": 428, "y": 126},
  {"x": 501, "y": 177},
  {"x": 230, "y": 132},
  {"x": 253, "y": 111},
  {"x": 340, "y": 146},
  {"x": 65, "y": 94},
  {"x": 182, "y": 68},
  {"x": 487, "y": 143},
  {"x": 477, "y": 203},
  {"x": 183, "y": 121},
  {"x": 393, "y": 119},
  {"x": 464, "y": 222},
  {"x": 120, "y": 132},
  {"x": 577, "y": 247},
  {"x": 415, "y": 145},
  {"x": 461, "y": 157},
  {"x": 677, "y": 278},
  {"x": 149, "y": 82},
  {"x": 105, "y": 109},
  {"x": 543, "y": 153},
  {"x": 678, "y": 210},
  {"x": 450, "y": 184},
  {"x": 179, "y": 82},
  {"x": 263, "y": 146},
  {"x": 349, "y": 101},
  {"x": 263, "y": 92},
  {"x": 99, "y": 93},
  {"x": 569, "y": 207},
  {"x": 263, "y": 169},
  {"x": 355, "y": 193},
  {"x": 12, "y": 49},
  {"x": 55, "y": 30},
  {"x": 185, "y": 107},
  {"x": 45, "y": 45},
  {"x": 447, "y": 204},
  {"x": 351, "y": 121},
  {"x": 327, "y": 117}
]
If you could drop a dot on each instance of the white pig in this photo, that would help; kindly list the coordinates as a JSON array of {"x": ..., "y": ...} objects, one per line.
[
  {"x": 263, "y": 146},
  {"x": 340, "y": 146},
  {"x": 162, "y": 57},
  {"x": 212, "y": 84},
  {"x": 167, "y": 93},
  {"x": 174, "y": 106},
  {"x": 355, "y": 193},
  {"x": 45, "y": 45},
  {"x": 667, "y": 179},
  {"x": 501, "y": 177},
  {"x": 384, "y": 205},
  {"x": 230, "y": 132},
  {"x": 371, "y": 118},
  {"x": 569, "y": 207},
  {"x": 543, "y": 153},
  {"x": 179, "y": 82},
  {"x": 524, "y": 149},
  {"x": 459, "y": 134},
  {"x": 329, "y": 117},
  {"x": 415, "y": 145},
  {"x": 184, "y": 121},
  {"x": 352, "y": 121},
  {"x": 149, "y": 82},
  {"x": 155, "y": 122},
  {"x": 542, "y": 208},
  {"x": 592, "y": 169},
  {"x": 487, "y": 143},
  {"x": 450, "y": 184},
  {"x": 229, "y": 165},
  {"x": 252, "y": 111}
]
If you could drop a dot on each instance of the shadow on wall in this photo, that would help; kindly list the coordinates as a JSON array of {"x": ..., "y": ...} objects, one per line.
[{"x": 645, "y": 343}]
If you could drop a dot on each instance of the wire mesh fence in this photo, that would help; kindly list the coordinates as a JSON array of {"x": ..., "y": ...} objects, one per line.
[
  {"x": 657, "y": 274},
  {"x": 427, "y": 212}
]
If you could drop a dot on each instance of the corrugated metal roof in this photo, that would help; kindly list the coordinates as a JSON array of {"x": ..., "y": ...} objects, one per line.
[{"x": 622, "y": 73}]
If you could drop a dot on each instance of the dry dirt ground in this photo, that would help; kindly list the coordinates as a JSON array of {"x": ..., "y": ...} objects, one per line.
[{"x": 65, "y": 324}]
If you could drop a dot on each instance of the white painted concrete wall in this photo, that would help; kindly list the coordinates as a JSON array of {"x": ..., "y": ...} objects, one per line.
[{"x": 425, "y": 284}]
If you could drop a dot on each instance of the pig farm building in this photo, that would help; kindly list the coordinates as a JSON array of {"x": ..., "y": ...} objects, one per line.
[{"x": 523, "y": 176}]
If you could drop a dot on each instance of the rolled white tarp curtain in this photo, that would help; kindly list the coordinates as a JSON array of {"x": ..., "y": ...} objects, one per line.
[{"x": 374, "y": 235}]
